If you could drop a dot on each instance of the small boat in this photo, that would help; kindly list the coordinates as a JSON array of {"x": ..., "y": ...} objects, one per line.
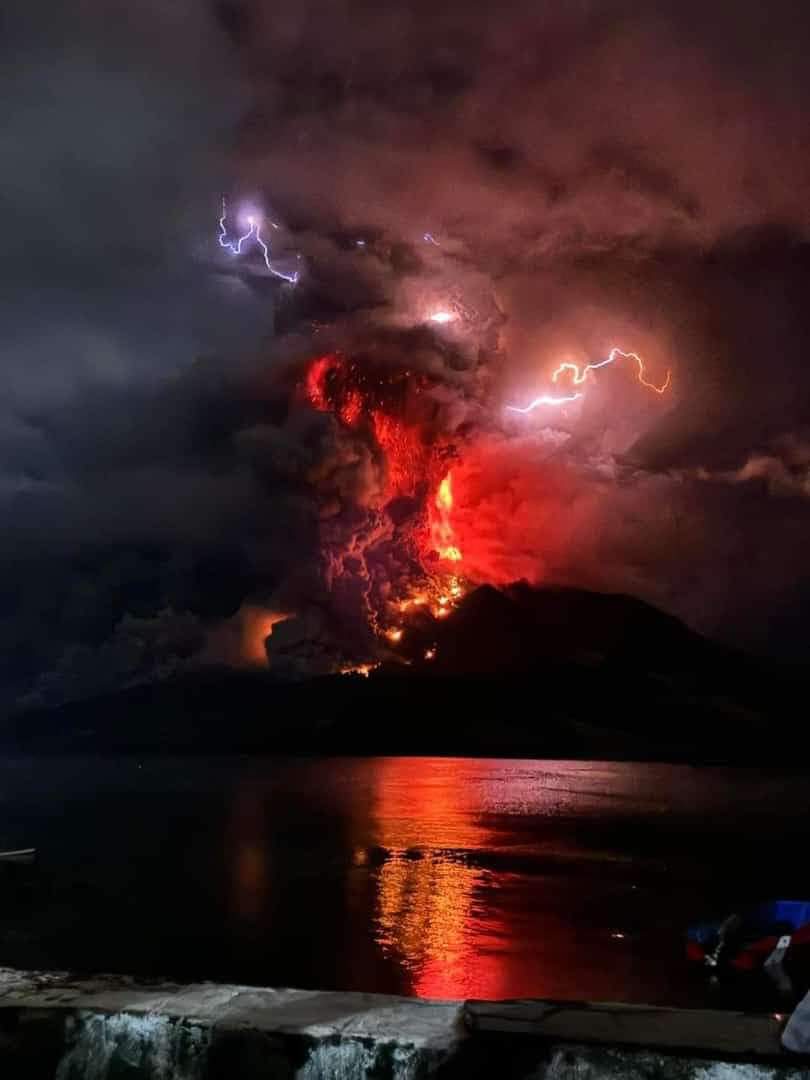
[
  {"x": 21, "y": 855},
  {"x": 760, "y": 938}
]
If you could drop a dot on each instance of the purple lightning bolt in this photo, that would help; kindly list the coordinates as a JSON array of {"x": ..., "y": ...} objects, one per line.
[{"x": 254, "y": 232}]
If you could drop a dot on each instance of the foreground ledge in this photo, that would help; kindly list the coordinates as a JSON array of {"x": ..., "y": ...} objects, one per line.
[{"x": 59, "y": 1027}]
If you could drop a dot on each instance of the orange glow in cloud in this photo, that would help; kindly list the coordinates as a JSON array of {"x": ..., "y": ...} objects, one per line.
[
  {"x": 516, "y": 517},
  {"x": 258, "y": 625},
  {"x": 240, "y": 640}
]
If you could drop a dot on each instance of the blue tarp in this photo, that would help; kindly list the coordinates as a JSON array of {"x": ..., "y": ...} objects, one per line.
[{"x": 773, "y": 917}]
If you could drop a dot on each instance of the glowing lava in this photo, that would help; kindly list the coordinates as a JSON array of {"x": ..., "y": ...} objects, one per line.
[
  {"x": 335, "y": 384},
  {"x": 428, "y": 499},
  {"x": 315, "y": 384},
  {"x": 403, "y": 450},
  {"x": 441, "y": 529},
  {"x": 358, "y": 669},
  {"x": 351, "y": 410},
  {"x": 384, "y": 409}
]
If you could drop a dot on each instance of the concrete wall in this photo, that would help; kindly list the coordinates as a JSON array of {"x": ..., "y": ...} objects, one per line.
[{"x": 55, "y": 1027}]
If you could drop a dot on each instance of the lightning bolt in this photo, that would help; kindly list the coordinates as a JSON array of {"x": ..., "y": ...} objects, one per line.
[
  {"x": 429, "y": 238},
  {"x": 580, "y": 374},
  {"x": 254, "y": 232},
  {"x": 544, "y": 399}
]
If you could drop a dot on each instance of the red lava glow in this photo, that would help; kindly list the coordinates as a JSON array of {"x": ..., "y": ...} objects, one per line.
[
  {"x": 352, "y": 409},
  {"x": 411, "y": 602},
  {"x": 315, "y": 385},
  {"x": 515, "y": 517},
  {"x": 441, "y": 529},
  {"x": 358, "y": 669},
  {"x": 492, "y": 517},
  {"x": 335, "y": 384},
  {"x": 500, "y": 513},
  {"x": 405, "y": 454},
  {"x": 457, "y": 509}
]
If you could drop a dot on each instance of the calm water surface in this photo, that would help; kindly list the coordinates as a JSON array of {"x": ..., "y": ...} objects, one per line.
[{"x": 438, "y": 877}]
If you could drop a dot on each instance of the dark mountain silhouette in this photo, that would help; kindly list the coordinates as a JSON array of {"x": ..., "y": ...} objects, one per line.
[{"x": 518, "y": 671}]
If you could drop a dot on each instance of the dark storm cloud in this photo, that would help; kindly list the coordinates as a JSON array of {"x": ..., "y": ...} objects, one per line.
[
  {"x": 618, "y": 174},
  {"x": 636, "y": 174},
  {"x": 540, "y": 127},
  {"x": 114, "y": 127},
  {"x": 594, "y": 173},
  {"x": 113, "y": 136}
]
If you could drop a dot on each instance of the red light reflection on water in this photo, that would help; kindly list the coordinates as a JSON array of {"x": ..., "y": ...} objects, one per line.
[
  {"x": 460, "y": 878},
  {"x": 427, "y": 917}
]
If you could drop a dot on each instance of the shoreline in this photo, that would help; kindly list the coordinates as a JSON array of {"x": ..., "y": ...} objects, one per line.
[{"x": 346, "y": 716}]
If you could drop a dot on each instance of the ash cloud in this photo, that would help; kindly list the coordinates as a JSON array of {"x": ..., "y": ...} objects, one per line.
[{"x": 593, "y": 174}]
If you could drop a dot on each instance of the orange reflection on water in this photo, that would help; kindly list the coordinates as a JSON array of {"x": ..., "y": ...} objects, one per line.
[
  {"x": 248, "y": 848},
  {"x": 426, "y": 915}
]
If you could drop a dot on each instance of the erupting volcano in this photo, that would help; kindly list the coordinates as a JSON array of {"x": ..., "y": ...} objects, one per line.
[
  {"x": 450, "y": 504},
  {"x": 390, "y": 413},
  {"x": 324, "y": 322}
]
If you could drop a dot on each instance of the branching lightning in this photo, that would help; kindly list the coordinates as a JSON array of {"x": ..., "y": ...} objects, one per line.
[
  {"x": 254, "y": 232},
  {"x": 580, "y": 373}
]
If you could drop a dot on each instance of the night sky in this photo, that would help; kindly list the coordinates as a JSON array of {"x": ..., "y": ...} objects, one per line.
[{"x": 593, "y": 173}]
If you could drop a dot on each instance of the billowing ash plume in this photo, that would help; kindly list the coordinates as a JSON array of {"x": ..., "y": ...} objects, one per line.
[{"x": 475, "y": 200}]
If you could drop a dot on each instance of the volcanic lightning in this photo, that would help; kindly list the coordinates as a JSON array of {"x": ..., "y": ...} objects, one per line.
[
  {"x": 579, "y": 374},
  {"x": 544, "y": 399},
  {"x": 254, "y": 232}
]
